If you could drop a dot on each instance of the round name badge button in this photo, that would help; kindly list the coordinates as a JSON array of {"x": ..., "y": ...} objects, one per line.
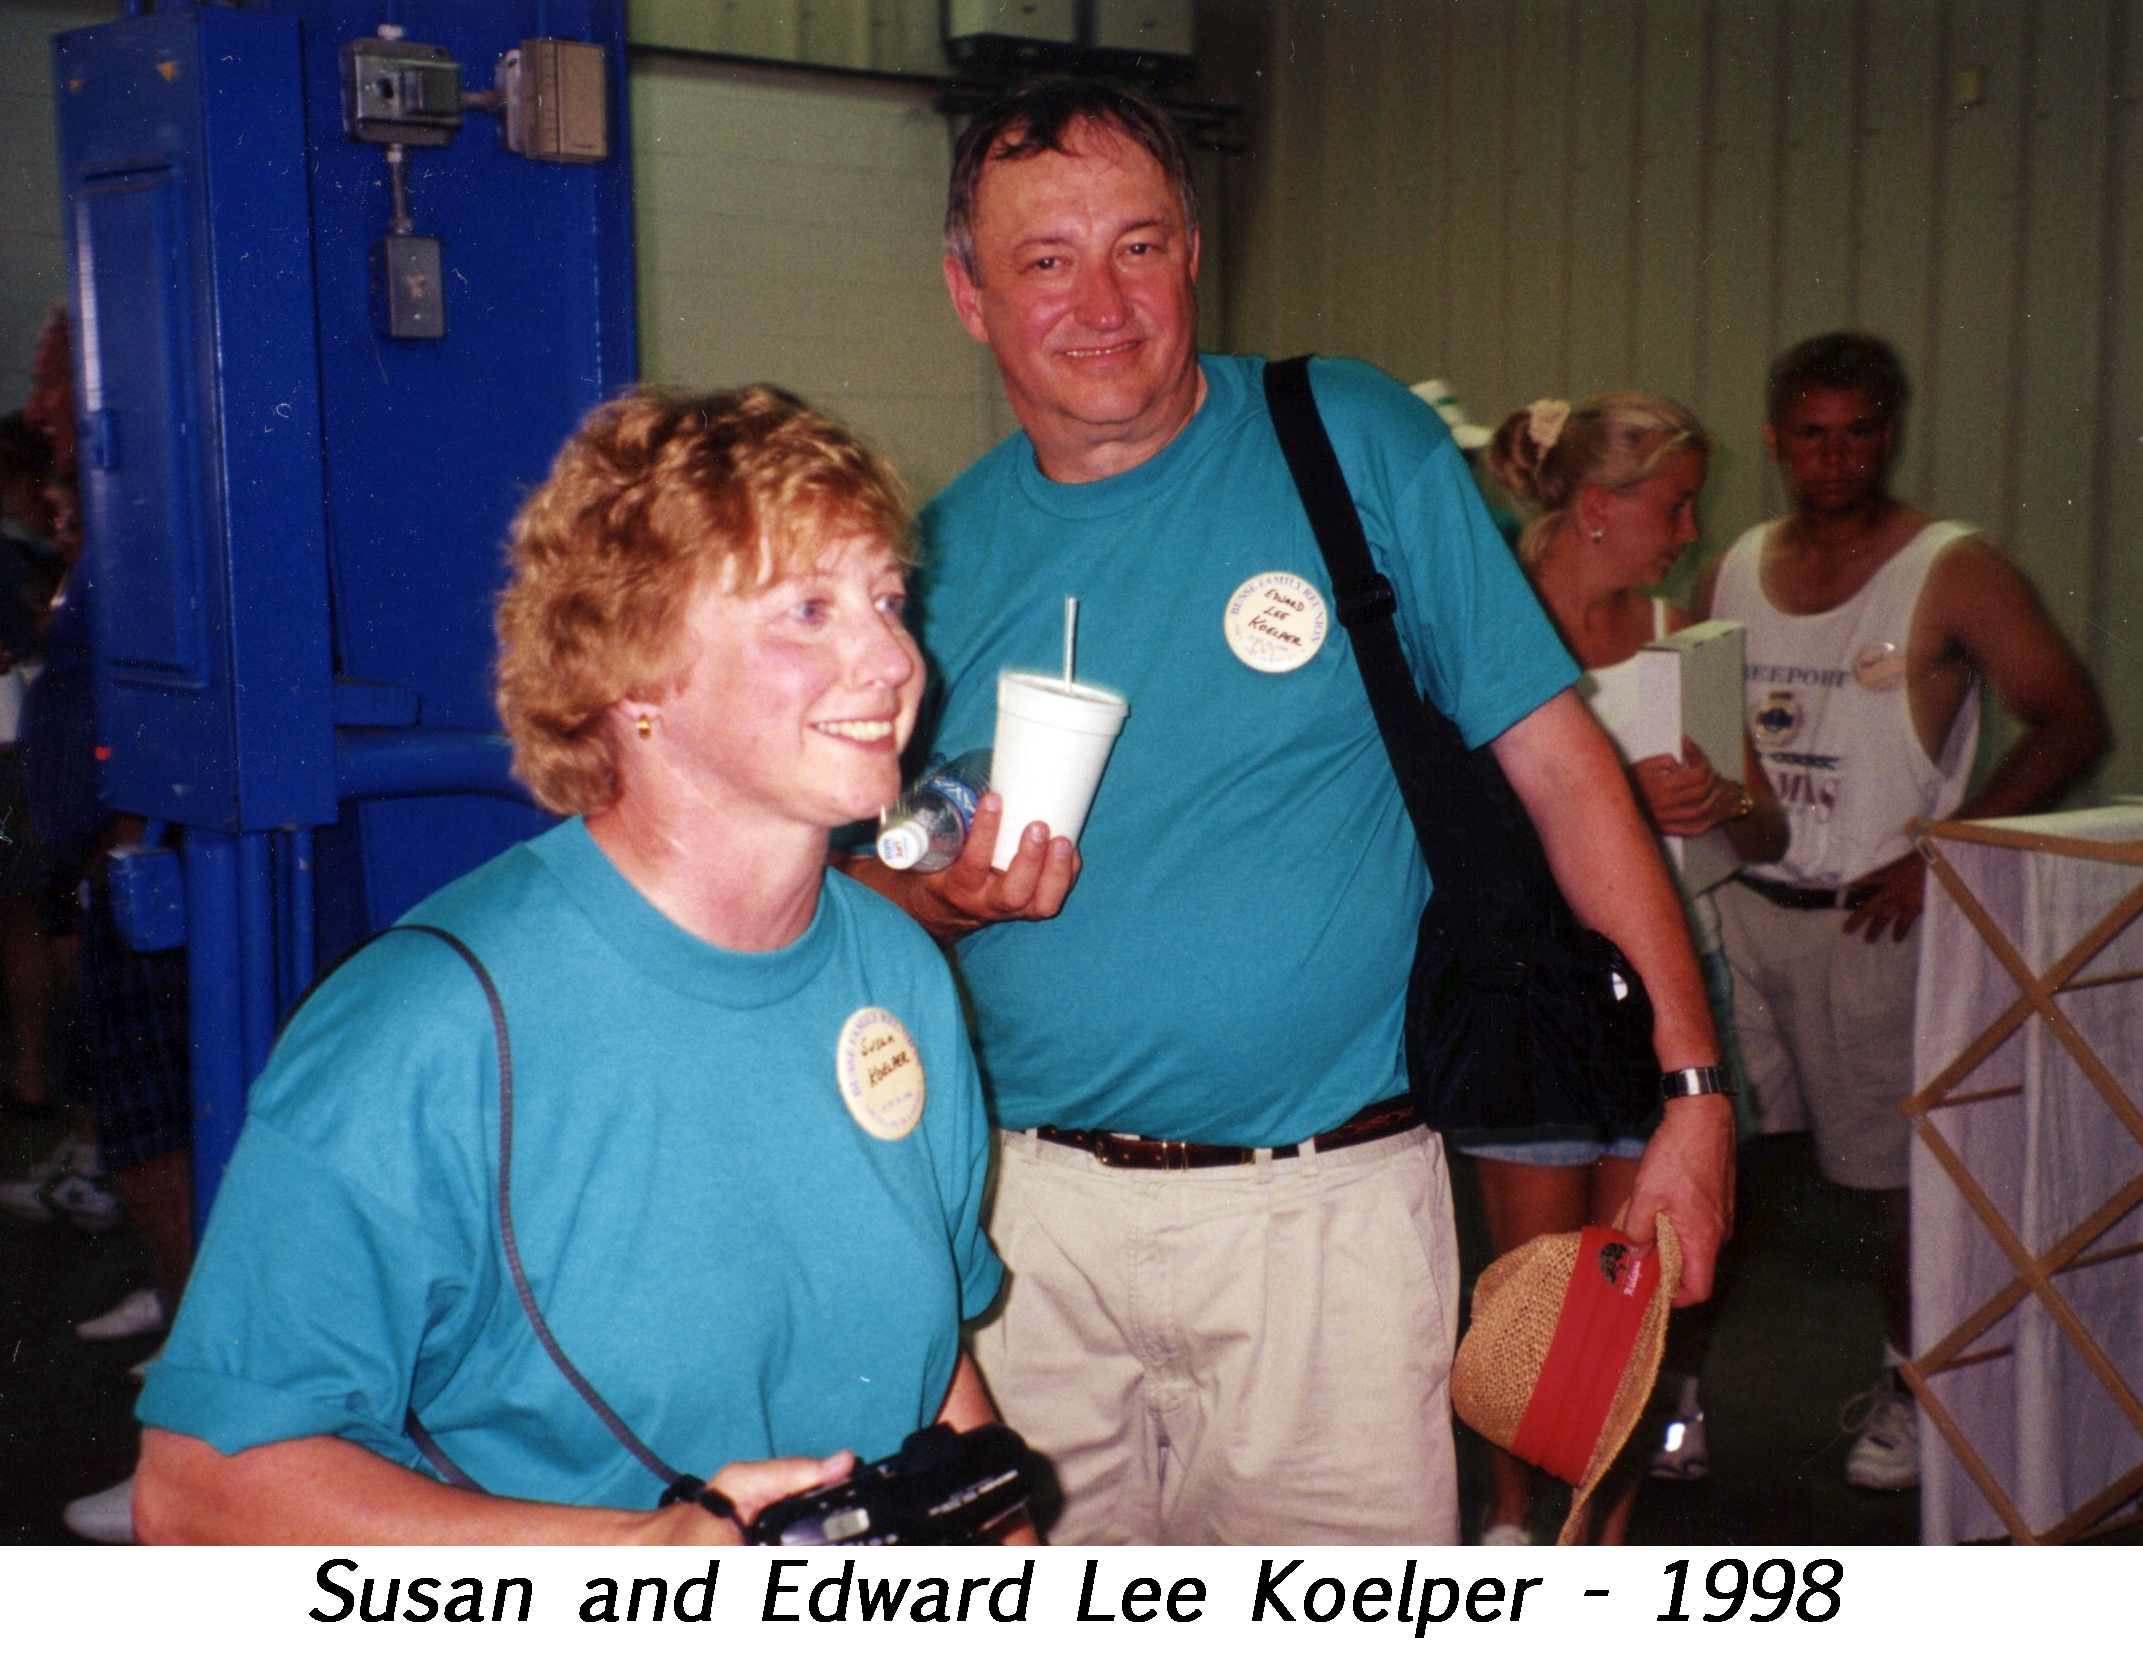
[
  {"x": 1275, "y": 622},
  {"x": 1880, "y": 666},
  {"x": 880, "y": 1073}
]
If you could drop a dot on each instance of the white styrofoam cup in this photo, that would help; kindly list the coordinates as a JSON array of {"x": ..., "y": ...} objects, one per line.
[{"x": 1053, "y": 740}]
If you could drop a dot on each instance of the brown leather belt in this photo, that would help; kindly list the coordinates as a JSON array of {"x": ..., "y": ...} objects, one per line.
[
  {"x": 1169, "y": 1155},
  {"x": 1804, "y": 900}
]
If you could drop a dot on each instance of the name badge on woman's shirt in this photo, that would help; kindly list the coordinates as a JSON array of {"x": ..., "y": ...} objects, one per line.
[{"x": 880, "y": 1072}]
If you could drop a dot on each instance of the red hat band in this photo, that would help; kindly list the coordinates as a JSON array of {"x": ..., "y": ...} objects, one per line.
[{"x": 1595, "y": 1332}]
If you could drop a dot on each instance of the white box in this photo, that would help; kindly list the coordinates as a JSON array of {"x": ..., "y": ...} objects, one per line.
[{"x": 1690, "y": 683}]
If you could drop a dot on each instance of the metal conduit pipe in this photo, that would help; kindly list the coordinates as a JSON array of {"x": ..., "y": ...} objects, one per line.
[
  {"x": 294, "y": 888},
  {"x": 216, "y": 1006},
  {"x": 256, "y": 950},
  {"x": 424, "y": 762}
]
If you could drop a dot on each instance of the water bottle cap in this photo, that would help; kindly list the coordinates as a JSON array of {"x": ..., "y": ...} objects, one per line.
[{"x": 903, "y": 844}]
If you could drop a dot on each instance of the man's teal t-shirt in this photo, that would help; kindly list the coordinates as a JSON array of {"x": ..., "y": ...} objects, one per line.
[
  {"x": 1231, "y": 966},
  {"x": 737, "y": 1263}
]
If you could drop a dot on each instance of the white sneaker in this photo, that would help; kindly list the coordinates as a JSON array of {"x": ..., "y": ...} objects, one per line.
[
  {"x": 104, "y": 1516},
  {"x": 140, "y": 1313},
  {"x": 67, "y": 1185},
  {"x": 1683, "y": 1451},
  {"x": 1886, "y": 1456}
]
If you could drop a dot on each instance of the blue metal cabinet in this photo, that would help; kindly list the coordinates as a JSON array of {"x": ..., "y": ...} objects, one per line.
[{"x": 294, "y": 523}]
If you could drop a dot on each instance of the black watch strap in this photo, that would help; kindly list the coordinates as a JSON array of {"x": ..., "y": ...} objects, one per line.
[{"x": 1696, "y": 1083}]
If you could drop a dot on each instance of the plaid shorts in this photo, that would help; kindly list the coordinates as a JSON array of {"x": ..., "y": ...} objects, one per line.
[{"x": 135, "y": 1057}]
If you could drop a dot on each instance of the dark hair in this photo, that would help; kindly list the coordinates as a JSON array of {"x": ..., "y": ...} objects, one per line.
[
  {"x": 1840, "y": 362},
  {"x": 1040, "y": 115}
]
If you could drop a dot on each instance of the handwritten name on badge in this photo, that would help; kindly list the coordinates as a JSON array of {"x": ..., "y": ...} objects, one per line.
[
  {"x": 880, "y": 1072},
  {"x": 1275, "y": 622}
]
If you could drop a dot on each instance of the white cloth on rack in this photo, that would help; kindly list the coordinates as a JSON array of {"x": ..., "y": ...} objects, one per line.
[{"x": 2049, "y": 1432}]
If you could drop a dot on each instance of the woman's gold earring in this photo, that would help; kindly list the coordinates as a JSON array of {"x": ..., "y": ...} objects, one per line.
[{"x": 646, "y": 725}]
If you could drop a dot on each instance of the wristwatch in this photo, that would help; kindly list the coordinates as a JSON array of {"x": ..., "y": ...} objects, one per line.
[{"x": 1696, "y": 1083}]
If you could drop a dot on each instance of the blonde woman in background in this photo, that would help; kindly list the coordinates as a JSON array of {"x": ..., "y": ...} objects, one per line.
[{"x": 1614, "y": 485}]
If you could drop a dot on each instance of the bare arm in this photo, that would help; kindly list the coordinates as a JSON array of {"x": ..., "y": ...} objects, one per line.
[
  {"x": 1985, "y": 615},
  {"x": 1604, "y": 857},
  {"x": 970, "y": 893},
  {"x": 329, "y": 1490},
  {"x": 1761, "y": 834},
  {"x": 1989, "y": 609},
  {"x": 967, "y": 1401}
]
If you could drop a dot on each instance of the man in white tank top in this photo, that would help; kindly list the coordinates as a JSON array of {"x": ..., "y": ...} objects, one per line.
[{"x": 1870, "y": 628}]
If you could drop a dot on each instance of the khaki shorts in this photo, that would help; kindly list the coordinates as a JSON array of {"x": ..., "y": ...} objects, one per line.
[
  {"x": 1825, "y": 1021},
  {"x": 1244, "y": 1355}
]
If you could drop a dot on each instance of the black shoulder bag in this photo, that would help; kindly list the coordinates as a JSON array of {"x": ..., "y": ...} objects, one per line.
[{"x": 1519, "y": 1020}]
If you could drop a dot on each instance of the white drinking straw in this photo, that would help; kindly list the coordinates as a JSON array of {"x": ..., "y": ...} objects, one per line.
[{"x": 1071, "y": 634}]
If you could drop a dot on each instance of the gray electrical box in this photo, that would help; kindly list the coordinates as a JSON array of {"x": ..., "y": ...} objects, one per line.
[
  {"x": 555, "y": 101},
  {"x": 398, "y": 92},
  {"x": 408, "y": 288}
]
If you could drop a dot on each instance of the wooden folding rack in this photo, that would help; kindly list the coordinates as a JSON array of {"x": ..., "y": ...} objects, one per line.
[{"x": 2034, "y": 1274}]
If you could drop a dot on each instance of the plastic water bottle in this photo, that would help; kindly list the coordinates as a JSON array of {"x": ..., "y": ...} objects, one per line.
[{"x": 925, "y": 829}]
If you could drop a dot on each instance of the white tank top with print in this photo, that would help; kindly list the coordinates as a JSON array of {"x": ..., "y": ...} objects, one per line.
[{"x": 1828, "y": 709}]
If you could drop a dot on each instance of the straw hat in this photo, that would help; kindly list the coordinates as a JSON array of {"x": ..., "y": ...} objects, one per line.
[{"x": 1565, "y": 1345}]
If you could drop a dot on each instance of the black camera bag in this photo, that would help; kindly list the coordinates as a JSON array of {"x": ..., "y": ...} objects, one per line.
[{"x": 1519, "y": 1020}]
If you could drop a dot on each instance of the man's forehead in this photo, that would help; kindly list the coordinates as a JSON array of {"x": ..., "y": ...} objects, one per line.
[
  {"x": 1833, "y": 407},
  {"x": 1107, "y": 150}
]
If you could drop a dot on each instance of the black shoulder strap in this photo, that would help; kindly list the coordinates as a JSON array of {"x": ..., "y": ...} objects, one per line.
[
  {"x": 1429, "y": 757},
  {"x": 425, "y": 1443}
]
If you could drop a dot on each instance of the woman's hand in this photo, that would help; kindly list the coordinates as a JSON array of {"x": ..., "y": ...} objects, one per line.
[
  {"x": 751, "y": 1486},
  {"x": 1688, "y": 798}
]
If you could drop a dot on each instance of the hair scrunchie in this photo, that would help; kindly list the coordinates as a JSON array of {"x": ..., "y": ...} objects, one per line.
[{"x": 1544, "y": 422}]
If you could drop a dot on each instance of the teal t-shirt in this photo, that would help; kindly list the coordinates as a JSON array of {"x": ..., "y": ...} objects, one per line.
[
  {"x": 737, "y": 1263},
  {"x": 1231, "y": 966}
]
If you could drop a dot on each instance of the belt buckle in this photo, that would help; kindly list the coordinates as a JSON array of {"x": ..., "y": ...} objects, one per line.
[
  {"x": 1160, "y": 1155},
  {"x": 1126, "y": 1151}
]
